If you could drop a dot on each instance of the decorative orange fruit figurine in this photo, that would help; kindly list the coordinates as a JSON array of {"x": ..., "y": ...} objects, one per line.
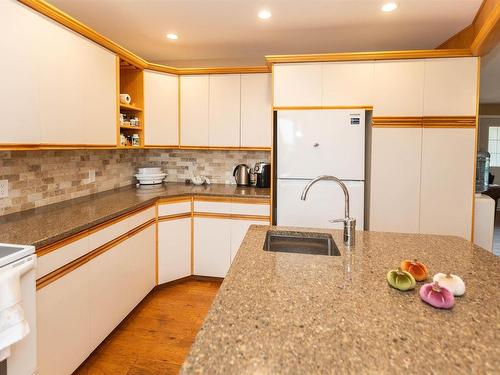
[{"x": 416, "y": 269}]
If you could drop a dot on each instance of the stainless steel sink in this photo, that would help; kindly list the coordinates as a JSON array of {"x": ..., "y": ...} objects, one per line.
[{"x": 300, "y": 242}]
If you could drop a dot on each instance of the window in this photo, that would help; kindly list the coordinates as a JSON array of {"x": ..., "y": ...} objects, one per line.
[{"x": 494, "y": 145}]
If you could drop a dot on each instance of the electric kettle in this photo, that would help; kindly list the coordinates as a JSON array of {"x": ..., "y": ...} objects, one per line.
[{"x": 241, "y": 175}]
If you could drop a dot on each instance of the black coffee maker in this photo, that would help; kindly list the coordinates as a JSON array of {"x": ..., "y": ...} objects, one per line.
[{"x": 263, "y": 172}]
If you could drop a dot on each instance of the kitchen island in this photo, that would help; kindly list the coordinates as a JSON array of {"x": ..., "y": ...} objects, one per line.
[{"x": 304, "y": 314}]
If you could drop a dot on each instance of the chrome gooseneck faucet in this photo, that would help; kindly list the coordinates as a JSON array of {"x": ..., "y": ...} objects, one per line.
[{"x": 349, "y": 222}]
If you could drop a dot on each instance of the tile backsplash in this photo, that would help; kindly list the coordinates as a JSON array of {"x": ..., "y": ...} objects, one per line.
[{"x": 38, "y": 178}]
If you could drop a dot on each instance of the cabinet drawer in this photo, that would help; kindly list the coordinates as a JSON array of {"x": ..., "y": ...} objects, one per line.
[
  {"x": 64, "y": 255},
  {"x": 250, "y": 209},
  {"x": 140, "y": 218},
  {"x": 174, "y": 208},
  {"x": 212, "y": 207}
]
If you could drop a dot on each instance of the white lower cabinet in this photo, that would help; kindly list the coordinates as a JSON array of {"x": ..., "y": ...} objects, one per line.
[
  {"x": 212, "y": 246},
  {"x": 239, "y": 229},
  {"x": 174, "y": 249},
  {"x": 63, "y": 321},
  {"x": 77, "y": 311}
]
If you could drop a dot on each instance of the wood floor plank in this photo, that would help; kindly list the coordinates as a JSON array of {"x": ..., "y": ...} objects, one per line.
[{"x": 156, "y": 337}]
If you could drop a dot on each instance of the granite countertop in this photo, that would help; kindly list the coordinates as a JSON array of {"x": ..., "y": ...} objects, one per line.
[
  {"x": 46, "y": 225},
  {"x": 281, "y": 313}
]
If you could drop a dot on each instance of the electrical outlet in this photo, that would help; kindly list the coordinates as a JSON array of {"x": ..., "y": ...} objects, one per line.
[
  {"x": 91, "y": 176},
  {"x": 4, "y": 188}
]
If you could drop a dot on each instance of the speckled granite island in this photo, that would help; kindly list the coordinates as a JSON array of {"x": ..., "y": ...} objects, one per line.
[{"x": 310, "y": 314}]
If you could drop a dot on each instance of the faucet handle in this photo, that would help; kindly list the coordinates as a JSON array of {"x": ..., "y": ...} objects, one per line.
[{"x": 345, "y": 220}]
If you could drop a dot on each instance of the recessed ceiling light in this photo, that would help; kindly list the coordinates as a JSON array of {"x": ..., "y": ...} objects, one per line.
[
  {"x": 172, "y": 36},
  {"x": 264, "y": 14},
  {"x": 389, "y": 7}
]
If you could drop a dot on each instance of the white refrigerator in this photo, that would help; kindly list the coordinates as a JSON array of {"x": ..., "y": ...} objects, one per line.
[{"x": 310, "y": 143}]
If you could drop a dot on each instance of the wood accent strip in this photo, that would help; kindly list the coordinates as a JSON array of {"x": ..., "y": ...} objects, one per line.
[
  {"x": 185, "y": 198},
  {"x": 50, "y": 146},
  {"x": 224, "y": 148},
  {"x": 156, "y": 243},
  {"x": 214, "y": 70},
  {"x": 183, "y": 215},
  {"x": 60, "y": 272},
  {"x": 192, "y": 235},
  {"x": 373, "y": 55},
  {"x": 283, "y": 108},
  {"x": 230, "y": 216},
  {"x": 66, "y": 241},
  {"x": 249, "y": 200},
  {"x": 449, "y": 122},
  {"x": 397, "y": 122}
]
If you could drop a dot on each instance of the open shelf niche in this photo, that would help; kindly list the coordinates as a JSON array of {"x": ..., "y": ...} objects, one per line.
[{"x": 131, "y": 82}]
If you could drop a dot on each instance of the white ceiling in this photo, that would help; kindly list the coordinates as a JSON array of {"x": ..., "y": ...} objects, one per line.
[
  {"x": 490, "y": 77},
  {"x": 228, "y": 32}
]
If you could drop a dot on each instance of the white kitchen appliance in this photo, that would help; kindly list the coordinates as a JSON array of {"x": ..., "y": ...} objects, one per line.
[
  {"x": 23, "y": 354},
  {"x": 311, "y": 143}
]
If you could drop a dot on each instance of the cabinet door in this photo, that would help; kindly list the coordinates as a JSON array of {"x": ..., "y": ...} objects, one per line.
[
  {"x": 194, "y": 110},
  {"x": 63, "y": 323},
  {"x": 174, "y": 249},
  {"x": 348, "y": 84},
  {"x": 120, "y": 278},
  {"x": 19, "y": 88},
  {"x": 451, "y": 87},
  {"x": 77, "y": 89},
  {"x": 395, "y": 180},
  {"x": 212, "y": 246},
  {"x": 256, "y": 110},
  {"x": 161, "y": 109},
  {"x": 398, "y": 88},
  {"x": 447, "y": 181},
  {"x": 224, "y": 110},
  {"x": 297, "y": 85},
  {"x": 239, "y": 229}
]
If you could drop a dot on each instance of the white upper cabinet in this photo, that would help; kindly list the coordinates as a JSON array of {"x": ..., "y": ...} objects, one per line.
[
  {"x": 297, "y": 85},
  {"x": 348, "y": 84},
  {"x": 398, "y": 88},
  {"x": 194, "y": 110},
  {"x": 77, "y": 91},
  {"x": 447, "y": 181},
  {"x": 451, "y": 87},
  {"x": 224, "y": 110},
  {"x": 19, "y": 88},
  {"x": 161, "y": 109},
  {"x": 256, "y": 110}
]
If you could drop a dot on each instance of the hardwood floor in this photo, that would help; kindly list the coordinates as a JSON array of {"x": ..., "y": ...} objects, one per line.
[{"x": 156, "y": 337}]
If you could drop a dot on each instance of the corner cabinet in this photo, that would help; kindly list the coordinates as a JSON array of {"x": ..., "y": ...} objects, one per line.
[{"x": 161, "y": 109}]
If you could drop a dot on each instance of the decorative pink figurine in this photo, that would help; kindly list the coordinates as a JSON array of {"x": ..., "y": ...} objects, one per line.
[{"x": 437, "y": 296}]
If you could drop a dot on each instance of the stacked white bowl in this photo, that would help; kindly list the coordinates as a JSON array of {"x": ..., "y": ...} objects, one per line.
[{"x": 150, "y": 176}]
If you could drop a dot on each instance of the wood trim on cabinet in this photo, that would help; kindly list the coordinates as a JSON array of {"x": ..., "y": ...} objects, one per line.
[
  {"x": 397, "y": 122},
  {"x": 249, "y": 200},
  {"x": 66, "y": 241},
  {"x": 183, "y": 215},
  {"x": 192, "y": 235},
  {"x": 449, "y": 121},
  {"x": 156, "y": 243},
  {"x": 224, "y": 148},
  {"x": 212, "y": 215},
  {"x": 285, "y": 108},
  {"x": 364, "y": 56},
  {"x": 60, "y": 272},
  {"x": 51, "y": 146},
  {"x": 185, "y": 198}
]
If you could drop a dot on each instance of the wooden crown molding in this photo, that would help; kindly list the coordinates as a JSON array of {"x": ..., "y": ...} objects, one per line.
[
  {"x": 482, "y": 34},
  {"x": 364, "y": 56},
  {"x": 64, "y": 19}
]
